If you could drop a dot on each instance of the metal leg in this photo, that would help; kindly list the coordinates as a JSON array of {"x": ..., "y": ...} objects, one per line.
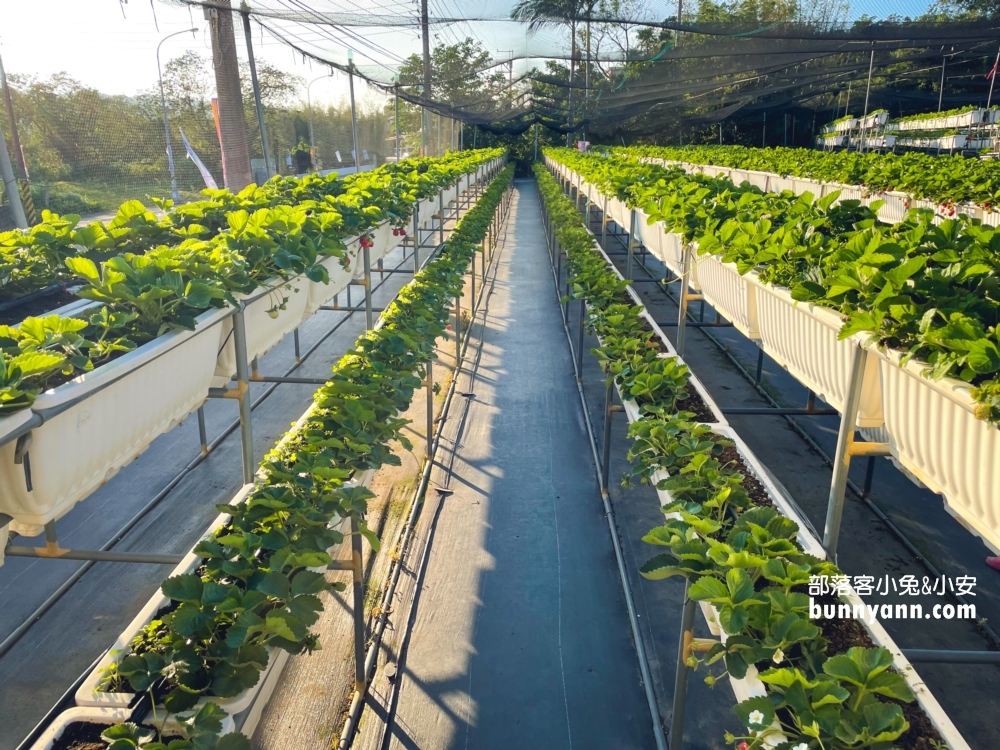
[
  {"x": 846, "y": 448},
  {"x": 243, "y": 394},
  {"x": 298, "y": 351},
  {"x": 369, "y": 322},
  {"x": 631, "y": 246},
  {"x": 579, "y": 341},
  {"x": 202, "y": 431},
  {"x": 681, "y": 677},
  {"x": 440, "y": 217},
  {"x": 458, "y": 331},
  {"x": 472, "y": 299},
  {"x": 416, "y": 238},
  {"x": 359, "y": 609},
  {"x": 609, "y": 398},
  {"x": 604, "y": 223},
  {"x": 866, "y": 490},
  {"x": 429, "y": 382},
  {"x": 760, "y": 366},
  {"x": 682, "y": 303}
]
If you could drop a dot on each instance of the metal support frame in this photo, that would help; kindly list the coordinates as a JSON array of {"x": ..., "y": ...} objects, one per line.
[
  {"x": 53, "y": 551},
  {"x": 429, "y": 384},
  {"x": 846, "y": 449},
  {"x": 682, "y": 673},
  {"x": 243, "y": 394},
  {"x": 631, "y": 246},
  {"x": 686, "y": 296},
  {"x": 441, "y": 216}
]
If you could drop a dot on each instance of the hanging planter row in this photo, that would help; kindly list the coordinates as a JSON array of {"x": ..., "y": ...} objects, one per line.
[
  {"x": 930, "y": 425},
  {"x": 359, "y": 405},
  {"x": 747, "y": 688},
  {"x": 80, "y": 433}
]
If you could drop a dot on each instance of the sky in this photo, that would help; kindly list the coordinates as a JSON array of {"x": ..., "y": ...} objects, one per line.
[{"x": 111, "y": 45}]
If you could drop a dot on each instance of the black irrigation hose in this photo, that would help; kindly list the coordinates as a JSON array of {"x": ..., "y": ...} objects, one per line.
[
  {"x": 11, "y": 640},
  {"x": 981, "y": 625}
]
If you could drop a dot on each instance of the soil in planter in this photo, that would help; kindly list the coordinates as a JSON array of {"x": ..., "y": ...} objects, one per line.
[
  {"x": 86, "y": 735},
  {"x": 842, "y": 634},
  {"x": 36, "y": 307},
  {"x": 694, "y": 403},
  {"x": 753, "y": 487},
  {"x": 654, "y": 337}
]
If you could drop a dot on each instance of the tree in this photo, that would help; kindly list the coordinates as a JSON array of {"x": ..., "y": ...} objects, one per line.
[{"x": 538, "y": 13}]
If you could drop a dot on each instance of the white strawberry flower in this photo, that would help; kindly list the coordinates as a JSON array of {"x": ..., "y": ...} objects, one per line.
[
  {"x": 756, "y": 718},
  {"x": 801, "y": 746},
  {"x": 779, "y": 656}
]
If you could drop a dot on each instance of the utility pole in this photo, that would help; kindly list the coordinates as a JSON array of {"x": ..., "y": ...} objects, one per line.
[
  {"x": 397, "y": 117},
  {"x": 10, "y": 185},
  {"x": 426, "y": 40},
  {"x": 354, "y": 118},
  {"x": 15, "y": 140},
  {"x": 232, "y": 125},
  {"x": 174, "y": 193}
]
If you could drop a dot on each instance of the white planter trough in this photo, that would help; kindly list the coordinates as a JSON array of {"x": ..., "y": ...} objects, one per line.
[
  {"x": 802, "y": 338},
  {"x": 750, "y": 686},
  {"x": 620, "y": 213},
  {"x": 730, "y": 293},
  {"x": 109, "y": 716},
  {"x": 632, "y": 408},
  {"x": 89, "y": 692},
  {"x": 100, "y": 421},
  {"x": 265, "y": 324},
  {"x": 932, "y": 431},
  {"x": 320, "y": 293}
]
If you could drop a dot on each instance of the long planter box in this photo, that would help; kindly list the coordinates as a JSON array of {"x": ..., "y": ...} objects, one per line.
[
  {"x": 94, "y": 715},
  {"x": 265, "y": 324},
  {"x": 949, "y": 142},
  {"x": 728, "y": 292},
  {"x": 122, "y": 406},
  {"x": 802, "y": 338},
  {"x": 340, "y": 277},
  {"x": 89, "y": 694},
  {"x": 750, "y": 686},
  {"x": 932, "y": 431},
  {"x": 929, "y": 425}
]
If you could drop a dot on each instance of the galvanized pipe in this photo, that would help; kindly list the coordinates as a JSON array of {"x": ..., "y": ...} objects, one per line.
[
  {"x": 681, "y": 675},
  {"x": 243, "y": 386}
]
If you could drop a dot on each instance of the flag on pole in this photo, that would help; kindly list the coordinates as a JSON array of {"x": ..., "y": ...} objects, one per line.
[
  {"x": 205, "y": 174},
  {"x": 993, "y": 72},
  {"x": 218, "y": 133}
]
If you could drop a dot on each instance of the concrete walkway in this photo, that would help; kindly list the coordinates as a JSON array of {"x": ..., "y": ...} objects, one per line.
[{"x": 519, "y": 635}]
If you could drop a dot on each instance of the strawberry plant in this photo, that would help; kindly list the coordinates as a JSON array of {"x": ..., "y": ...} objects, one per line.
[{"x": 930, "y": 290}]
